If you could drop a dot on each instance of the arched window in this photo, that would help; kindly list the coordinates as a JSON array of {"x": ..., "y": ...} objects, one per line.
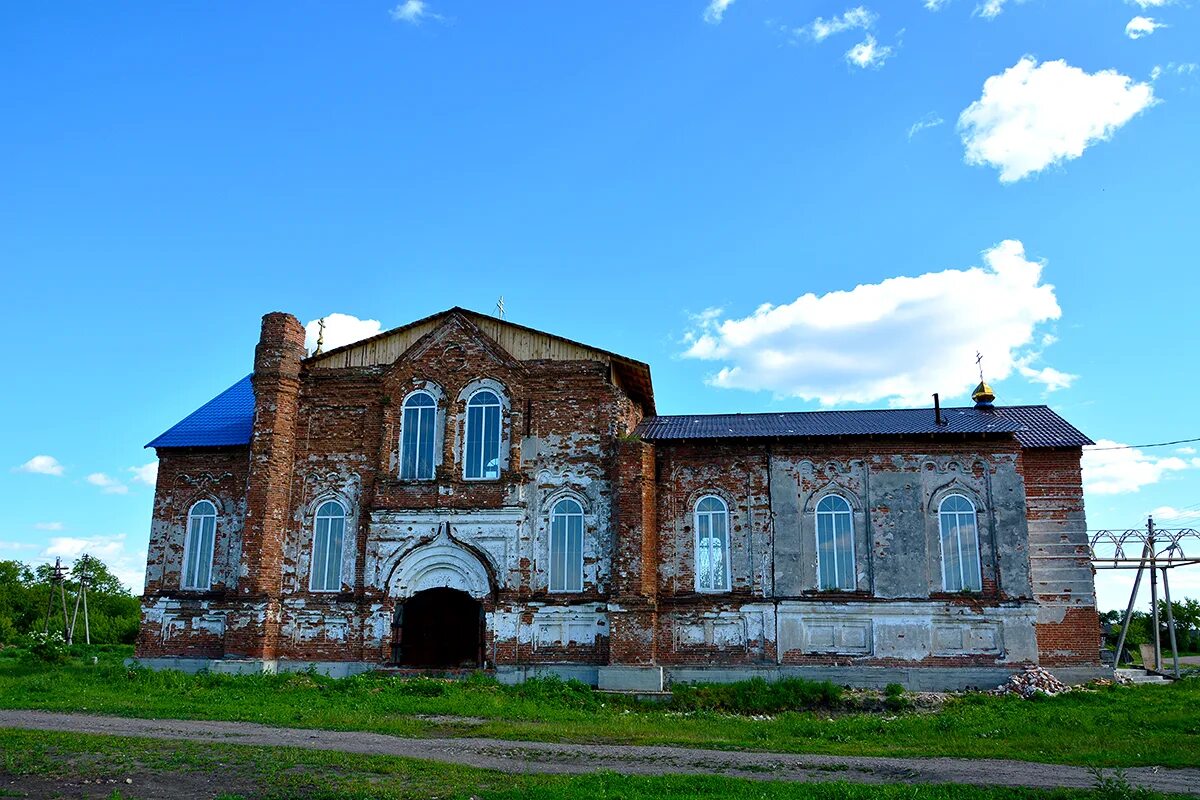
[
  {"x": 712, "y": 545},
  {"x": 328, "y": 532},
  {"x": 482, "y": 460},
  {"x": 960, "y": 545},
  {"x": 566, "y": 546},
  {"x": 417, "y": 437},
  {"x": 835, "y": 544},
  {"x": 198, "y": 548}
]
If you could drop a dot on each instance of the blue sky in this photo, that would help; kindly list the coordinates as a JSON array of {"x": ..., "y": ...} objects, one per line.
[{"x": 1017, "y": 178}]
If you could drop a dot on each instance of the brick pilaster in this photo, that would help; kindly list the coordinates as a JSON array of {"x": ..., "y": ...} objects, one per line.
[
  {"x": 633, "y": 609},
  {"x": 255, "y": 631}
]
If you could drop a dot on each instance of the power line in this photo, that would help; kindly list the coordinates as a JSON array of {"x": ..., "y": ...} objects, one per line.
[{"x": 1155, "y": 444}]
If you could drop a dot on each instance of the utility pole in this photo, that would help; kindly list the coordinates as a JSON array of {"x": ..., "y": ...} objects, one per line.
[
  {"x": 57, "y": 578},
  {"x": 83, "y": 574},
  {"x": 1154, "y": 594}
]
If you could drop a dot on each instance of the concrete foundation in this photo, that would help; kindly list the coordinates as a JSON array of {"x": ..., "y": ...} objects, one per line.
[
  {"x": 656, "y": 679},
  {"x": 253, "y": 666},
  {"x": 631, "y": 679}
]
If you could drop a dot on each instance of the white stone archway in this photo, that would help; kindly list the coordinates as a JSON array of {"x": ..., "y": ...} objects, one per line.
[{"x": 441, "y": 564}]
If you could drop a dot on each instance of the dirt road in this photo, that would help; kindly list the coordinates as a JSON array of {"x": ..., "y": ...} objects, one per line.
[{"x": 544, "y": 757}]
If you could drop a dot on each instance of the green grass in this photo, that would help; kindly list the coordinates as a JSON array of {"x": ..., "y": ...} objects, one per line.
[
  {"x": 1111, "y": 727},
  {"x": 293, "y": 772}
]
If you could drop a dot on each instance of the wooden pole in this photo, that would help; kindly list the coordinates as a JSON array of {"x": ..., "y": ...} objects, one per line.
[
  {"x": 87, "y": 627},
  {"x": 62, "y": 590}
]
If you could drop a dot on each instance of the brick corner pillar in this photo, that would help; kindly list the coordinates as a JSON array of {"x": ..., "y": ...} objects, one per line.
[
  {"x": 254, "y": 629},
  {"x": 633, "y": 608},
  {"x": 1068, "y": 625}
]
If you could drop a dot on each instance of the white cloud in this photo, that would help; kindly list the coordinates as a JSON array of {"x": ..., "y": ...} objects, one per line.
[
  {"x": 990, "y": 9},
  {"x": 868, "y": 53},
  {"x": 129, "y": 567},
  {"x": 48, "y": 526},
  {"x": 146, "y": 474},
  {"x": 1170, "y": 513},
  {"x": 1124, "y": 470},
  {"x": 1186, "y": 68},
  {"x": 1138, "y": 27},
  {"x": 821, "y": 29},
  {"x": 1051, "y": 378},
  {"x": 1144, "y": 4},
  {"x": 930, "y": 120},
  {"x": 414, "y": 12},
  {"x": 715, "y": 12},
  {"x": 1186, "y": 451},
  {"x": 340, "y": 329},
  {"x": 109, "y": 485},
  {"x": 1031, "y": 116},
  {"x": 898, "y": 340},
  {"x": 935, "y": 5},
  {"x": 42, "y": 465}
]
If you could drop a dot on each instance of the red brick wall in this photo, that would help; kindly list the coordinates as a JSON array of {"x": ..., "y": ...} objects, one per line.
[
  {"x": 1068, "y": 628},
  {"x": 186, "y": 476},
  {"x": 633, "y": 611}
]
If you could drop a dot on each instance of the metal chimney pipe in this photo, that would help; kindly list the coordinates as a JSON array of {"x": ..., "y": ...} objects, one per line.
[{"x": 937, "y": 410}]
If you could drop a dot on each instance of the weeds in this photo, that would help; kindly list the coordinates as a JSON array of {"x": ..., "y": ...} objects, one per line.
[{"x": 756, "y": 696}]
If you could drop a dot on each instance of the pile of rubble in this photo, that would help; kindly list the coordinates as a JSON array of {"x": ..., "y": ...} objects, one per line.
[{"x": 1034, "y": 680}]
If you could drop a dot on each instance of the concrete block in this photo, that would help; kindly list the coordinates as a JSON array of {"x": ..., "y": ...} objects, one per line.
[{"x": 631, "y": 679}]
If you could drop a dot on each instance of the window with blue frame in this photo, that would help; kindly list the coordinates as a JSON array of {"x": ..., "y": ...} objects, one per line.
[
  {"x": 482, "y": 458},
  {"x": 418, "y": 426},
  {"x": 835, "y": 544}
]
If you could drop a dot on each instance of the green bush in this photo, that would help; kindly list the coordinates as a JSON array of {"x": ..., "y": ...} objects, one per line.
[
  {"x": 756, "y": 696},
  {"x": 894, "y": 697},
  {"x": 556, "y": 691},
  {"x": 48, "y": 647}
]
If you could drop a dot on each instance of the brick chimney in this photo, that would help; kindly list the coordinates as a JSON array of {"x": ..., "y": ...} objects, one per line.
[{"x": 276, "y": 382}]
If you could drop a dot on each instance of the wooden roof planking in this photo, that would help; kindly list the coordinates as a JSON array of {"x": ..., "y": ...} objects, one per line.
[{"x": 523, "y": 343}]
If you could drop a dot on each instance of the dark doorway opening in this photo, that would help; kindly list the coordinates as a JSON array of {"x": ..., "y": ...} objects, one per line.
[{"x": 438, "y": 628}]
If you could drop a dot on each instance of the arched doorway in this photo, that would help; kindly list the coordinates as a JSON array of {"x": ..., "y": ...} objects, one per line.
[{"x": 438, "y": 628}]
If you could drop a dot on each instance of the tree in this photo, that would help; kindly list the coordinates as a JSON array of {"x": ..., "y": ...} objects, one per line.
[{"x": 113, "y": 611}]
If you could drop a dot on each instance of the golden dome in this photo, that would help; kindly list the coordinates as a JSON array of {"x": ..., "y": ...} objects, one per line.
[{"x": 983, "y": 395}]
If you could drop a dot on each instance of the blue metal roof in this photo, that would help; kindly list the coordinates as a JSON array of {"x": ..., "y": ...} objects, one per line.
[
  {"x": 1033, "y": 426},
  {"x": 227, "y": 419}
]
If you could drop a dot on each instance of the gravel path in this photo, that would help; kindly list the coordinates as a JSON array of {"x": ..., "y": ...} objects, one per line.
[{"x": 545, "y": 757}]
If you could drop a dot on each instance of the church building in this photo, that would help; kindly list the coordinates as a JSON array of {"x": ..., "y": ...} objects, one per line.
[{"x": 466, "y": 493}]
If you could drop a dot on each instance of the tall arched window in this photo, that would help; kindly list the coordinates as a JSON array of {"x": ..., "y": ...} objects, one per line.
[
  {"x": 566, "y": 546},
  {"x": 417, "y": 428},
  {"x": 960, "y": 545},
  {"x": 198, "y": 547},
  {"x": 835, "y": 544},
  {"x": 712, "y": 545},
  {"x": 482, "y": 461},
  {"x": 329, "y": 530}
]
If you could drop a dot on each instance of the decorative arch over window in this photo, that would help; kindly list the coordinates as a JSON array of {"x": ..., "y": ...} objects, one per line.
[
  {"x": 481, "y": 459},
  {"x": 566, "y": 546},
  {"x": 960, "y": 545},
  {"x": 835, "y": 544},
  {"x": 198, "y": 546},
  {"x": 418, "y": 434},
  {"x": 329, "y": 529},
  {"x": 712, "y": 545}
]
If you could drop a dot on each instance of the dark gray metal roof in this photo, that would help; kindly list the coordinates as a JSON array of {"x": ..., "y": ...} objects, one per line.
[
  {"x": 1033, "y": 426},
  {"x": 1041, "y": 427}
]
